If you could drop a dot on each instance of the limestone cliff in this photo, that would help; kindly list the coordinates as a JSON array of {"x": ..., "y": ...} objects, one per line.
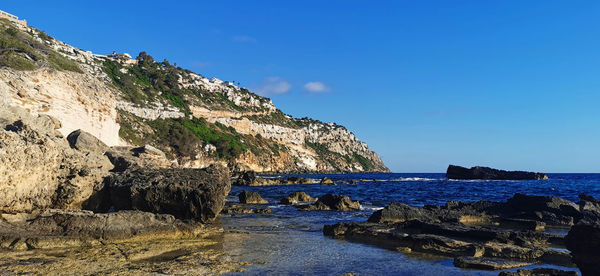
[{"x": 197, "y": 121}]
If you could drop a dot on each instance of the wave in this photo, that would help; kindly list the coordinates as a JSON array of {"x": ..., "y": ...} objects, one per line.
[
  {"x": 416, "y": 179},
  {"x": 370, "y": 208}
]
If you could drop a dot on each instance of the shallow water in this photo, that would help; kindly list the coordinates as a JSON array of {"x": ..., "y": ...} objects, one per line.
[{"x": 291, "y": 242}]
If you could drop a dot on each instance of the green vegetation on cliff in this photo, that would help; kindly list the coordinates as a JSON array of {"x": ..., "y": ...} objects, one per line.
[{"x": 22, "y": 51}]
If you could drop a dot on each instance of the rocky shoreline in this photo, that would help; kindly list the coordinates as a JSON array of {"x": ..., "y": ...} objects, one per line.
[
  {"x": 487, "y": 235},
  {"x": 76, "y": 192},
  {"x": 74, "y": 198}
]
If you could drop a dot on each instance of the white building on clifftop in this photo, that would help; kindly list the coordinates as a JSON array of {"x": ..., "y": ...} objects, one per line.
[{"x": 13, "y": 18}]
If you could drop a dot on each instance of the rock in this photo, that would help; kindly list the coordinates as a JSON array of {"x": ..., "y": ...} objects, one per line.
[
  {"x": 128, "y": 158},
  {"x": 486, "y": 263},
  {"x": 326, "y": 181},
  {"x": 583, "y": 240},
  {"x": 84, "y": 141},
  {"x": 548, "y": 209},
  {"x": 38, "y": 168},
  {"x": 539, "y": 272},
  {"x": 297, "y": 180},
  {"x": 61, "y": 228},
  {"x": 400, "y": 212},
  {"x": 185, "y": 193},
  {"x": 248, "y": 197},
  {"x": 297, "y": 197},
  {"x": 458, "y": 172},
  {"x": 588, "y": 203},
  {"x": 247, "y": 178},
  {"x": 332, "y": 202},
  {"x": 237, "y": 209}
]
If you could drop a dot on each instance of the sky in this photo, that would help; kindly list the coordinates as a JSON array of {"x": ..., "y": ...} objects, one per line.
[{"x": 508, "y": 84}]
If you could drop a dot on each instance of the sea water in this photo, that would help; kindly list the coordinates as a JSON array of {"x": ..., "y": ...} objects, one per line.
[{"x": 291, "y": 242}]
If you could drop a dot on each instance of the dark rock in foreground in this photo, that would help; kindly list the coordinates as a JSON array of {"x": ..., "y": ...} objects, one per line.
[
  {"x": 248, "y": 197},
  {"x": 539, "y": 272},
  {"x": 296, "y": 197},
  {"x": 332, "y": 202},
  {"x": 583, "y": 241},
  {"x": 458, "y": 172},
  {"x": 185, "y": 193}
]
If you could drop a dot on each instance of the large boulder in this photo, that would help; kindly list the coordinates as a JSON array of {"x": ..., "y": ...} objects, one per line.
[
  {"x": 84, "y": 141},
  {"x": 583, "y": 240},
  {"x": 185, "y": 193},
  {"x": 128, "y": 158},
  {"x": 458, "y": 172},
  {"x": 248, "y": 197},
  {"x": 38, "y": 168}
]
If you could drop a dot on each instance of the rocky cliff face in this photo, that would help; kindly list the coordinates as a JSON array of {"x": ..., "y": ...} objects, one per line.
[{"x": 197, "y": 121}]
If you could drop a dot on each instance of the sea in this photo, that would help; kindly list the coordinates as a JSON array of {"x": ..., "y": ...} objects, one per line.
[{"x": 291, "y": 242}]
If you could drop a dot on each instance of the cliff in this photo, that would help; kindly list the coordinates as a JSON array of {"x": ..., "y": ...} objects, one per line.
[{"x": 195, "y": 120}]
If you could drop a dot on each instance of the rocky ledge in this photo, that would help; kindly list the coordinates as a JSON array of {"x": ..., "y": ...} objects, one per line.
[
  {"x": 458, "y": 172},
  {"x": 485, "y": 234}
]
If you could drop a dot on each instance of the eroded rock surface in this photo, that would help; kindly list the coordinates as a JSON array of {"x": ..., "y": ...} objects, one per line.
[
  {"x": 38, "y": 168},
  {"x": 185, "y": 193}
]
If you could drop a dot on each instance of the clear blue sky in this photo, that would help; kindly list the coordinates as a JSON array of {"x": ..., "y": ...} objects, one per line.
[{"x": 508, "y": 84}]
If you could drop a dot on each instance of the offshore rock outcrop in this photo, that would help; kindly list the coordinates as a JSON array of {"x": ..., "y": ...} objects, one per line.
[
  {"x": 458, "y": 172},
  {"x": 332, "y": 202},
  {"x": 481, "y": 234},
  {"x": 248, "y": 197}
]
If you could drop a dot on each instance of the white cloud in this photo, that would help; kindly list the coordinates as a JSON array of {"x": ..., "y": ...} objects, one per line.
[
  {"x": 316, "y": 87},
  {"x": 243, "y": 38},
  {"x": 273, "y": 86}
]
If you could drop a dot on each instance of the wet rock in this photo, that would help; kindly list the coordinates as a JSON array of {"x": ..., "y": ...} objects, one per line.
[
  {"x": 486, "y": 263},
  {"x": 185, "y": 193},
  {"x": 297, "y": 180},
  {"x": 458, "y": 172},
  {"x": 326, "y": 181},
  {"x": 583, "y": 240},
  {"x": 248, "y": 197},
  {"x": 539, "y": 272},
  {"x": 332, "y": 202},
  {"x": 237, "y": 209},
  {"x": 296, "y": 197},
  {"x": 84, "y": 141}
]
